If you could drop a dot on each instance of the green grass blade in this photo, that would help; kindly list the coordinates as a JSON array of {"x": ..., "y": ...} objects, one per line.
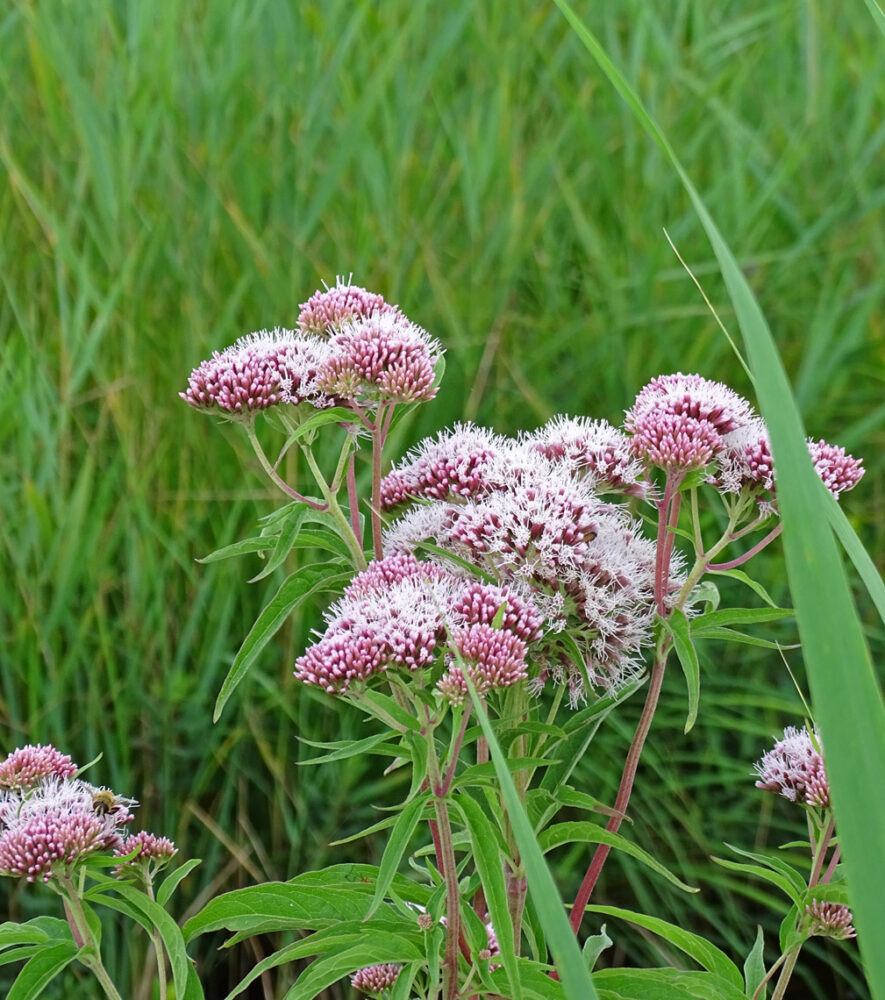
[
  {"x": 570, "y": 965},
  {"x": 877, "y": 13},
  {"x": 847, "y": 700}
]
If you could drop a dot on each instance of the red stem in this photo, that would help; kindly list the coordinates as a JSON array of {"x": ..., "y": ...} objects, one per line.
[
  {"x": 625, "y": 788},
  {"x": 378, "y": 435},
  {"x": 758, "y": 547}
]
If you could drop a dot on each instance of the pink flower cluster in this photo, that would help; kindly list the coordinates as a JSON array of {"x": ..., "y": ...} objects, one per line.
[
  {"x": 350, "y": 348},
  {"x": 830, "y": 920},
  {"x": 50, "y": 819},
  {"x": 375, "y": 979},
  {"x": 794, "y": 768},
  {"x": 398, "y": 614},
  {"x": 685, "y": 422},
  {"x": 27, "y": 766},
  {"x": 528, "y": 513},
  {"x": 153, "y": 854},
  {"x": 677, "y": 421}
]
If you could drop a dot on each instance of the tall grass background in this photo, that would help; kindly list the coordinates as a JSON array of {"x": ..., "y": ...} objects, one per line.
[{"x": 178, "y": 175}]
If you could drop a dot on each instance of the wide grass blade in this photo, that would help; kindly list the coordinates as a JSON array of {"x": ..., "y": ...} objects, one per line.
[
  {"x": 847, "y": 700},
  {"x": 570, "y": 965}
]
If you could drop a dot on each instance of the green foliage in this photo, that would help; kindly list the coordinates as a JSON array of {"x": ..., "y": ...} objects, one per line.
[{"x": 176, "y": 176}]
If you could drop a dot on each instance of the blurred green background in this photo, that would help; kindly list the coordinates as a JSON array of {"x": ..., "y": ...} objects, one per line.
[{"x": 176, "y": 175}]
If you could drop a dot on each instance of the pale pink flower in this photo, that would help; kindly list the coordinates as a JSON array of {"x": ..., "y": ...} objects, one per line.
[
  {"x": 381, "y": 357},
  {"x": 55, "y": 824},
  {"x": 690, "y": 396},
  {"x": 492, "y": 657},
  {"x": 830, "y": 920},
  {"x": 340, "y": 658},
  {"x": 153, "y": 853},
  {"x": 592, "y": 449},
  {"x": 674, "y": 442},
  {"x": 27, "y": 766},
  {"x": 745, "y": 460},
  {"x": 480, "y": 604},
  {"x": 376, "y": 978},
  {"x": 838, "y": 470},
  {"x": 325, "y": 311},
  {"x": 451, "y": 466},
  {"x": 257, "y": 372},
  {"x": 794, "y": 768}
]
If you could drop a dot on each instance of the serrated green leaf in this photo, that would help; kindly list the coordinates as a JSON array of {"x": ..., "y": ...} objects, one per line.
[
  {"x": 738, "y": 616},
  {"x": 284, "y": 543},
  {"x": 19, "y": 953},
  {"x": 484, "y": 773},
  {"x": 372, "y": 950},
  {"x": 174, "y": 879},
  {"x": 677, "y": 626},
  {"x": 294, "y": 590},
  {"x": 400, "y": 836},
  {"x": 731, "y": 635},
  {"x": 40, "y": 970},
  {"x": 766, "y": 874},
  {"x": 345, "y": 749},
  {"x": 665, "y": 984},
  {"x": 489, "y": 863},
  {"x": 707, "y": 955},
  {"x": 591, "y": 833},
  {"x": 754, "y": 967},
  {"x": 330, "y": 940},
  {"x": 747, "y": 581},
  {"x": 260, "y": 543},
  {"x": 775, "y": 863},
  {"x": 387, "y": 710},
  {"x": 35, "y": 931}
]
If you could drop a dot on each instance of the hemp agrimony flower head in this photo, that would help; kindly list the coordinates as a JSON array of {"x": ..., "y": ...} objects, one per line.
[
  {"x": 583, "y": 564},
  {"x": 677, "y": 421},
  {"x": 454, "y": 465},
  {"x": 51, "y": 826},
  {"x": 794, "y": 768},
  {"x": 154, "y": 853},
  {"x": 590, "y": 449},
  {"x": 398, "y": 614},
  {"x": 375, "y": 979},
  {"x": 258, "y": 372},
  {"x": 326, "y": 311},
  {"x": 381, "y": 357},
  {"x": 493, "y": 658},
  {"x": 745, "y": 463},
  {"x": 26, "y": 766},
  {"x": 831, "y": 920}
]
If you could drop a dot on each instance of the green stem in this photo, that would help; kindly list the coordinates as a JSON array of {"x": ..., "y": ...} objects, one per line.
[
  {"x": 157, "y": 940},
  {"x": 783, "y": 981},
  {"x": 272, "y": 473},
  {"x": 92, "y": 957},
  {"x": 335, "y": 512}
]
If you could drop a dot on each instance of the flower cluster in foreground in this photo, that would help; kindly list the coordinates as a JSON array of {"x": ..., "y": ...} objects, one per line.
[
  {"x": 350, "y": 348},
  {"x": 50, "y": 819}
]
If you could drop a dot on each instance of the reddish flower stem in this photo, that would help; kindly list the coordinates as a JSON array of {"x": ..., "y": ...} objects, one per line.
[
  {"x": 624, "y": 790},
  {"x": 378, "y": 437},
  {"x": 758, "y": 547}
]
